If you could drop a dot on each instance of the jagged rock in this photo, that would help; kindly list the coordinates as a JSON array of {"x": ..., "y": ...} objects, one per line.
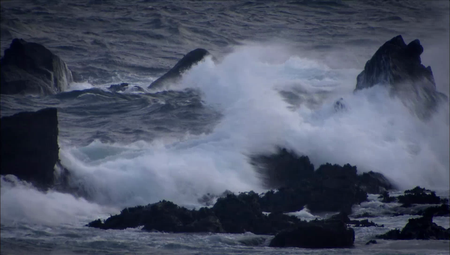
[
  {"x": 399, "y": 67},
  {"x": 174, "y": 74},
  {"x": 30, "y": 68},
  {"x": 335, "y": 189},
  {"x": 329, "y": 188},
  {"x": 374, "y": 183},
  {"x": 418, "y": 195},
  {"x": 316, "y": 234},
  {"x": 420, "y": 228},
  {"x": 231, "y": 214},
  {"x": 29, "y": 146},
  {"x": 283, "y": 169}
]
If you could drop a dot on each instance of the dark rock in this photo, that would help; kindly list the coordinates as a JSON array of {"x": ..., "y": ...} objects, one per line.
[
  {"x": 420, "y": 228},
  {"x": 374, "y": 183},
  {"x": 343, "y": 217},
  {"x": 335, "y": 189},
  {"x": 242, "y": 213},
  {"x": 29, "y": 146},
  {"x": 386, "y": 198},
  {"x": 316, "y": 234},
  {"x": 231, "y": 214},
  {"x": 283, "y": 169},
  {"x": 418, "y": 195},
  {"x": 399, "y": 67},
  {"x": 329, "y": 188},
  {"x": 371, "y": 242},
  {"x": 442, "y": 210},
  {"x": 118, "y": 87},
  {"x": 30, "y": 68},
  {"x": 174, "y": 74}
]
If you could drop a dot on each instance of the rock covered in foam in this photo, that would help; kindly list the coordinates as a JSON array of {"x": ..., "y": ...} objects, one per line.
[
  {"x": 29, "y": 146},
  {"x": 399, "y": 67},
  {"x": 30, "y": 68},
  {"x": 174, "y": 74}
]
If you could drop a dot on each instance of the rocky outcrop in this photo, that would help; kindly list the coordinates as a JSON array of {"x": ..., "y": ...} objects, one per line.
[
  {"x": 316, "y": 234},
  {"x": 374, "y": 183},
  {"x": 420, "y": 228},
  {"x": 399, "y": 67},
  {"x": 419, "y": 195},
  {"x": 329, "y": 188},
  {"x": 174, "y": 74},
  {"x": 30, "y": 68},
  {"x": 230, "y": 214},
  {"x": 29, "y": 146}
]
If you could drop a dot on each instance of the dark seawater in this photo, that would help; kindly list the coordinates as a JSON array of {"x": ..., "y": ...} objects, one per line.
[{"x": 281, "y": 66}]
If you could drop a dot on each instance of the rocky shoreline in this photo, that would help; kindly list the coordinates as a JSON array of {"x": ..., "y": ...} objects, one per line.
[{"x": 293, "y": 183}]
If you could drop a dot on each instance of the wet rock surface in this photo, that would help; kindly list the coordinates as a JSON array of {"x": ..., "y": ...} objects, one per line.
[{"x": 30, "y": 68}]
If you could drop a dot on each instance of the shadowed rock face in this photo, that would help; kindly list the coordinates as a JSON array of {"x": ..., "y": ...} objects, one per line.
[
  {"x": 399, "y": 66},
  {"x": 30, "y": 68},
  {"x": 29, "y": 146},
  {"x": 174, "y": 74}
]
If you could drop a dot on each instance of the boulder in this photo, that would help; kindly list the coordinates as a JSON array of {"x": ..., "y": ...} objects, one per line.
[
  {"x": 316, "y": 234},
  {"x": 174, "y": 74},
  {"x": 420, "y": 228},
  {"x": 29, "y": 146},
  {"x": 30, "y": 68},
  {"x": 398, "y": 66}
]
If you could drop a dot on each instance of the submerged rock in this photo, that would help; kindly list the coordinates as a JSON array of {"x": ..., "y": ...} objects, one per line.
[
  {"x": 118, "y": 87},
  {"x": 399, "y": 67},
  {"x": 174, "y": 74},
  {"x": 29, "y": 146},
  {"x": 30, "y": 68},
  {"x": 420, "y": 228},
  {"x": 316, "y": 234}
]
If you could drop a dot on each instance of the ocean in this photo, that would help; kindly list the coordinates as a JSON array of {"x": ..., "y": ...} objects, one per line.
[{"x": 279, "y": 68}]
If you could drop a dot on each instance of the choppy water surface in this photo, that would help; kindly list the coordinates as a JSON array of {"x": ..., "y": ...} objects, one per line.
[{"x": 281, "y": 66}]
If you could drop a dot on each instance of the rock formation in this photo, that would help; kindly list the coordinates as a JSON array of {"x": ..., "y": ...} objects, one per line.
[
  {"x": 29, "y": 146},
  {"x": 30, "y": 68},
  {"x": 174, "y": 74},
  {"x": 399, "y": 67}
]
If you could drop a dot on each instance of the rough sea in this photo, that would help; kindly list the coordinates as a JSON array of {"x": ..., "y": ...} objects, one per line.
[{"x": 281, "y": 66}]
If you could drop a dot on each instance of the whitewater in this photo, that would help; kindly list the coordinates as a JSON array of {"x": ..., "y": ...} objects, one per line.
[{"x": 178, "y": 144}]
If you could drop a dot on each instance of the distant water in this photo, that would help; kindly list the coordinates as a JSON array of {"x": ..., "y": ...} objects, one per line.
[{"x": 281, "y": 66}]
